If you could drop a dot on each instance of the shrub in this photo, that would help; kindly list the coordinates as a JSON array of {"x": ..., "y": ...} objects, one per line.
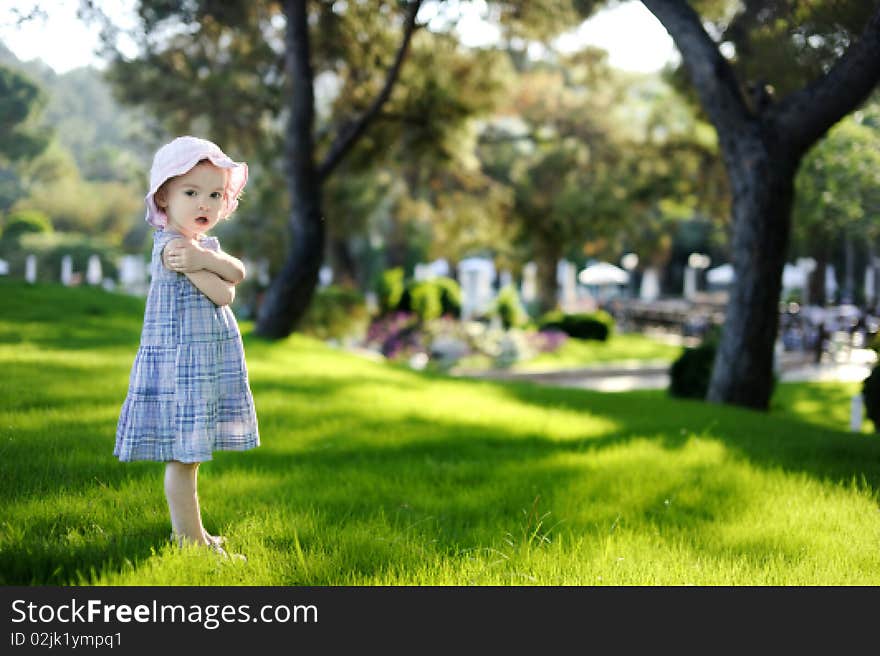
[
  {"x": 597, "y": 325},
  {"x": 335, "y": 313},
  {"x": 507, "y": 308},
  {"x": 390, "y": 290},
  {"x": 425, "y": 300},
  {"x": 450, "y": 296},
  {"x": 871, "y": 397},
  {"x": 22, "y": 222},
  {"x": 689, "y": 374}
]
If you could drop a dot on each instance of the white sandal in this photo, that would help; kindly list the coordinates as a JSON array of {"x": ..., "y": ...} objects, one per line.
[{"x": 215, "y": 543}]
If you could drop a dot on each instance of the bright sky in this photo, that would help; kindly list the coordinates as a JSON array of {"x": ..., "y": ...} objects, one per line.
[{"x": 634, "y": 39}]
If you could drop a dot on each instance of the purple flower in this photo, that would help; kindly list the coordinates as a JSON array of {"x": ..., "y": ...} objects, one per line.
[{"x": 547, "y": 341}]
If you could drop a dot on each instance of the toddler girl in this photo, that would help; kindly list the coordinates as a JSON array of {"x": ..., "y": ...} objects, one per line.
[{"x": 188, "y": 393}]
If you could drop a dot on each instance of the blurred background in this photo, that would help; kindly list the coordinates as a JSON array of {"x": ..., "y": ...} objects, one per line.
[{"x": 540, "y": 171}]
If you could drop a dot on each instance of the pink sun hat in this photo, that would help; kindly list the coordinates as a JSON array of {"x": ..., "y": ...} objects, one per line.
[{"x": 178, "y": 157}]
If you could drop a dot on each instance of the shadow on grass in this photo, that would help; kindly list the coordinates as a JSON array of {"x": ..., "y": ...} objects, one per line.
[
  {"x": 448, "y": 491},
  {"x": 442, "y": 484},
  {"x": 781, "y": 441},
  {"x": 55, "y": 561}
]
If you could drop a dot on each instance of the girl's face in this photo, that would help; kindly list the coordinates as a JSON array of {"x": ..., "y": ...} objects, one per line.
[{"x": 194, "y": 201}]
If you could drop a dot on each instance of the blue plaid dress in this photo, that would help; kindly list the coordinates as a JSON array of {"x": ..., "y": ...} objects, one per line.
[{"x": 188, "y": 392}]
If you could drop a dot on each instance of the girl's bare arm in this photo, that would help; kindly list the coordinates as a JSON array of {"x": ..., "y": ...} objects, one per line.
[
  {"x": 191, "y": 257},
  {"x": 223, "y": 264},
  {"x": 220, "y": 291}
]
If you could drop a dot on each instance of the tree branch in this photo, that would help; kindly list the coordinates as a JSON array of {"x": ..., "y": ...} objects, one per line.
[
  {"x": 805, "y": 115},
  {"x": 712, "y": 76},
  {"x": 350, "y": 133}
]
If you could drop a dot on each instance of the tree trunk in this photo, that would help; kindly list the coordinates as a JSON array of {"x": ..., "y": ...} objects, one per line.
[
  {"x": 817, "y": 278},
  {"x": 346, "y": 270},
  {"x": 763, "y": 186},
  {"x": 849, "y": 278},
  {"x": 291, "y": 291},
  {"x": 548, "y": 286}
]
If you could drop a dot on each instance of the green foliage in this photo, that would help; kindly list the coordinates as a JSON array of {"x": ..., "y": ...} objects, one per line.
[
  {"x": 20, "y": 222},
  {"x": 335, "y": 313},
  {"x": 425, "y": 300},
  {"x": 598, "y": 161},
  {"x": 597, "y": 325},
  {"x": 837, "y": 185},
  {"x": 21, "y": 139},
  {"x": 507, "y": 307},
  {"x": 450, "y": 296},
  {"x": 91, "y": 175},
  {"x": 390, "y": 289},
  {"x": 216, "y": 67},
  {"x": 871, "y": 397},
  {"x": 690, "y": 373},
  {"x": 789, "y": 43},
  {"x": 20, "y": 101},
  {"x": 106, "y": 140},
  {"x": 109, "y": 209},
  {"x": 429, "y": 299}
]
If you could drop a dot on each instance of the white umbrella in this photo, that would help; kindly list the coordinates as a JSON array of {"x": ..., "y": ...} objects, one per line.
[
  {"x": 603, "y": 273},
  {"x": 720, "y": 275}
]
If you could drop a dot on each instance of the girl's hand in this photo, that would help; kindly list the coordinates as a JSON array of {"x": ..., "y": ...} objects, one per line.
[{"x": 184, "y": 256}]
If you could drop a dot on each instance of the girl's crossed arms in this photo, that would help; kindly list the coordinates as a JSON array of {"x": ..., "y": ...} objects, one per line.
[{"x": 215, "y": 274}]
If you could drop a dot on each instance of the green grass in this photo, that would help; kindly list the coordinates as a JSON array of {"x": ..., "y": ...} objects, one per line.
[{"x": 374, "y": 474}]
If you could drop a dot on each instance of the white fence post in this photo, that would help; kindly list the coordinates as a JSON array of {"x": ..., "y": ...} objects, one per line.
[
  {"x": 94, "y": 274},
  {"x": 856, "y": 413},
  {"x": 30, "y": 269},
  {"x": 66, "y": 270}
]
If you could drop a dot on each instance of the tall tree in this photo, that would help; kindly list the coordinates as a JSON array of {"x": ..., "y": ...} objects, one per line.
[
  {"x": 291, "y": 291},
  {"x": 20, "y": 102},
  {"x": 762, "y": 142}
]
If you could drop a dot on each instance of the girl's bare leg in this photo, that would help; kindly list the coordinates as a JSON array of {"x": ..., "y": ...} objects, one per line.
[
  {"x": 183, "y": 502},
  {"x": 215, "y": 539}
]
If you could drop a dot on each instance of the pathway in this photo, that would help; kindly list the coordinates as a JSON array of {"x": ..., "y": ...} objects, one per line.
[{"x": 853, "y": 366}]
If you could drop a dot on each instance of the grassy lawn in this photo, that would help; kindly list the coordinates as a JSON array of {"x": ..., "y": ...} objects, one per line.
[{"x": 374, "y": 474}]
